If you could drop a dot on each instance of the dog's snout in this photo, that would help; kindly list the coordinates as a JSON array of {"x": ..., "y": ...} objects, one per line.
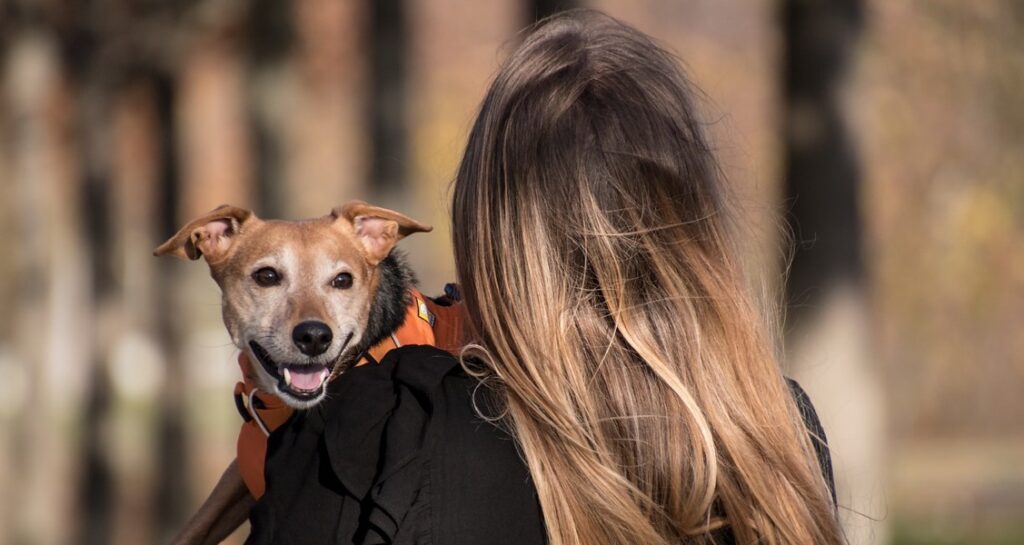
[{"x": 312, "y": 337}]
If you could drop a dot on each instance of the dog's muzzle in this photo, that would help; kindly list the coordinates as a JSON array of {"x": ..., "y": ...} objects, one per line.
[{"x": 303, "y": 381}]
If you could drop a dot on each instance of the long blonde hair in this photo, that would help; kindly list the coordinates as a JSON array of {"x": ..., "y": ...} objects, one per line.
[{"x": 594, "y": 249}]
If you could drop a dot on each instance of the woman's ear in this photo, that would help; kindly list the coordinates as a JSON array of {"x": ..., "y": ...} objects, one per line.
[
  {"x": 210, "y": 235},
  {"x": 377, "y": 229}
]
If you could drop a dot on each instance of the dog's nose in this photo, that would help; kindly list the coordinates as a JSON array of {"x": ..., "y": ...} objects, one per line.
[{"x": 312, "y": 337}]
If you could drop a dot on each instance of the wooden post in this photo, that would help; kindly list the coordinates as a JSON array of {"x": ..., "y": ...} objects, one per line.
[{"x": 47, "y": 337}]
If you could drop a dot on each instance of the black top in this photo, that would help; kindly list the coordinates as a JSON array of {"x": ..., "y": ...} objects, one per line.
[{"x": 397, "y": 454}]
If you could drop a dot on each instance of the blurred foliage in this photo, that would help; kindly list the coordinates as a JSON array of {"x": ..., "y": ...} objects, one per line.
[{"x": 938, "y": 98}]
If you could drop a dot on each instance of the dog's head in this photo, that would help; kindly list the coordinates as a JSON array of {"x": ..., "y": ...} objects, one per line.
[{"x": 296, "y": 296}]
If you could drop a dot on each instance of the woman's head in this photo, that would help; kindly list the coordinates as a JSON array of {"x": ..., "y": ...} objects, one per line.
[{"x": 592, "y": 242}]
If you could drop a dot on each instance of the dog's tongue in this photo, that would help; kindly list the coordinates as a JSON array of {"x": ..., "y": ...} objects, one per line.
[{"x": 307, "y": 377}]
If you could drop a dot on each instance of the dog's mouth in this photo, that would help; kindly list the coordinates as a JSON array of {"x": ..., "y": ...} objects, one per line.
[{"x": 303, "y": 381}]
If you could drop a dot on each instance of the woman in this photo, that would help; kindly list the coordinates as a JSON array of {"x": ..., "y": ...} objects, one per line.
[{"x": 622, "y": 387}]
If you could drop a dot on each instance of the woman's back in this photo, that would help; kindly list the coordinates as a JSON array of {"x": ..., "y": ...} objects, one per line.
[{"x": 400, "y": 453}]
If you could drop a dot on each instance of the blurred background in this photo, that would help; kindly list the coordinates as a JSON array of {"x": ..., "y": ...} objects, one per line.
[{"x": 887, "y": 133}]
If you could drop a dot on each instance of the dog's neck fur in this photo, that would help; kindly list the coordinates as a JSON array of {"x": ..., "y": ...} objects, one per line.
[{"x": 387, "y": 311}]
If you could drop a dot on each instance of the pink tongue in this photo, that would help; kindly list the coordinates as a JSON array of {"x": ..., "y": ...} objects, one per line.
[{"x": 306, "y": 377}]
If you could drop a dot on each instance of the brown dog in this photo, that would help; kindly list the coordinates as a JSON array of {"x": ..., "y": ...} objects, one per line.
[{"x": 303, "y": 300}]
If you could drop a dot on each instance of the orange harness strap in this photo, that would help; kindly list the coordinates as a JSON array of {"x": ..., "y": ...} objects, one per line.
[{"x": 426, "y": 322}]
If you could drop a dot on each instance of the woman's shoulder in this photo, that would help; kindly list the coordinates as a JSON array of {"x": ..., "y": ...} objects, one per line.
[
  {"x": 464, "y": 414},
  {"x": 461, "y": 408},
  {"x": 816, "y": 432},
  {"x": 476, "y": 487}
]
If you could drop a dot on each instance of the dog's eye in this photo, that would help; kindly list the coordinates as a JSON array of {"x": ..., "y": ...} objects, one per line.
[
  {"x": 267, "y": 277},
  {"x": 343, "y": 281}
]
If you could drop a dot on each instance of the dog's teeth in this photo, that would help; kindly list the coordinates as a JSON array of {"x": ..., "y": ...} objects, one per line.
[
  {"x": 323, "y": 375},
  {"x": 287, "y": 377}
]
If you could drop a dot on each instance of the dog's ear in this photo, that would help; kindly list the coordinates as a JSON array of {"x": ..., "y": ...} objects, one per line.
[
  {"x": 210, "y": 235},
  {"x": 377, "y": 229}
]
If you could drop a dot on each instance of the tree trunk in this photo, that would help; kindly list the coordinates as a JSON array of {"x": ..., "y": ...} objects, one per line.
[{"x": 829, "y": 323}]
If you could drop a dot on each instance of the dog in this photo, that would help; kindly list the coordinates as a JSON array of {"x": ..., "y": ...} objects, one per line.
[{"x": 302, "y": 301}]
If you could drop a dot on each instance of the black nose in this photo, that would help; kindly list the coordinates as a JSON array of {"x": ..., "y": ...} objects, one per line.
[{"x": 312, "y": 338}]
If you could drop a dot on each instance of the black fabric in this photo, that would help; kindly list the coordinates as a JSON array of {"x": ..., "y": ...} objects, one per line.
[
  {"x": 398, "y": 454},
  {"x": 817, "y": 433},
  {"x": 481, "y": 490}
]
